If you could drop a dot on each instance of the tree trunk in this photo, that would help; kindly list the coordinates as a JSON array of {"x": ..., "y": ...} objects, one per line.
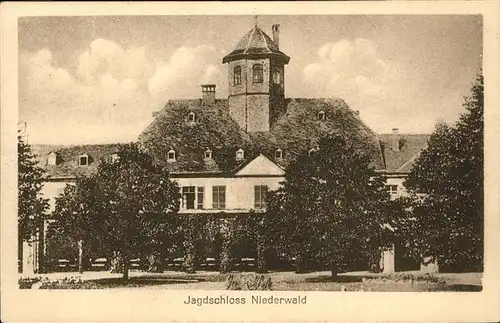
[
  {"x": 300, "y": 265},
  {"x": 125, "y": 269},
  {"x": 190, "y": 253},
  {"x": 80, "y": 256},
  {"x": 19, "y": 252},
  {"x": 261, "y": 254},
  {"x": 117, "y": 262},
  {"x": 334, "y": 271},
  {"x": 155, "y": 263},
  {"x": 225, "y": 258}
]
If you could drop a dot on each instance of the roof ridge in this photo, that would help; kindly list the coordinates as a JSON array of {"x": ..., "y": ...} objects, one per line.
[
  {"x": 408, "y": 162},
  {"x": 249, "y": 39},
  {"x": 265, "y": 41}
]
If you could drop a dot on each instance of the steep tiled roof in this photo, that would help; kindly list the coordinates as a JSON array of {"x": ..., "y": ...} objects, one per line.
[
  {"x": 67, "y": 158},
  {"x": 410, "y": 147},
  {"x": 295, "y": 132},
  {"x": 255, "y": 42}
]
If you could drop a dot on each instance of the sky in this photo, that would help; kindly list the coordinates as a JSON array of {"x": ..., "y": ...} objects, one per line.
[{"x": 98, "y": 79}]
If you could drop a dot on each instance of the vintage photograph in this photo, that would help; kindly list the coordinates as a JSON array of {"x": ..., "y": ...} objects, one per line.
[{"x": 299, "y": 153}]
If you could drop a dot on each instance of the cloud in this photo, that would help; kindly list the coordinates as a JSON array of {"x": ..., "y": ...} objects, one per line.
[
  {"x": 187, "y": 68},
  {"x": 352, "y": 70},
  {"x": 95, "y": 102},
  {"x": 106, "y": 56},
  {"x": 385, "y": 92},
  {"x": 111, "y": 92}
]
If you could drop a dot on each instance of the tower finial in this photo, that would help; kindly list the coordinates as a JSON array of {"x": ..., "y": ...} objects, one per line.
[{"x": 256, "y": 20}]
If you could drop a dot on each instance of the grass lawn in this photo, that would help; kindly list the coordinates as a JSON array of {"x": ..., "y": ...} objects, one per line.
[{"x": 283, "y": 281}]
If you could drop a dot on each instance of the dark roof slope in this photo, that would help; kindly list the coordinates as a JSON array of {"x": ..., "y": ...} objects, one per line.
[
  {"x": 255, "y": 43},
  {"x": 295, "y": 132},
  {"x": 410, "y": 146},
  {"x": 67, "y": 158}
]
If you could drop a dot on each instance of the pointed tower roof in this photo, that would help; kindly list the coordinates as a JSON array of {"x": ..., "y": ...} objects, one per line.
[{"x": 258, "y": 44}]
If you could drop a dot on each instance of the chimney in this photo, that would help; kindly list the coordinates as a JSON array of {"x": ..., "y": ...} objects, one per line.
[
  {"x": 395, "y": 139},
  {"x": 208, "y": 93},
  {"x": 357, "y": 113},
  {"x": 276, "y": 35}
]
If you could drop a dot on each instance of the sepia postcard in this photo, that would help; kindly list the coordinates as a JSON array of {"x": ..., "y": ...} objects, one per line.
[{"x": 250, "y": 161}]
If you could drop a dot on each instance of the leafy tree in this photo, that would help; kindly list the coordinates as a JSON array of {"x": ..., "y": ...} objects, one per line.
[
  {"x": 77, "y": 213},
  {"x": 447, "y": 218},
  {"x": 128, "y": 208},
  {"x": 140, "y": 205},
  {"x": 331, "y": 207},
  {"x": 31, "y": 205}
]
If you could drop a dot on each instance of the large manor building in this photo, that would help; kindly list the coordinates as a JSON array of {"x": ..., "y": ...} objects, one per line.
[{"x": 226, "y": 154}]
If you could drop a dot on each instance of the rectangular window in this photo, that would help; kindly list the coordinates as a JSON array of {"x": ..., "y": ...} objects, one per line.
[
  {"x": 83, "y": 160},
  {"x": 258, "y": 76},
  {"x": 200, "y": 197},
  {"x": 219, "y": 197},
  {"x": 392, "y": 189},
  {"x": 188, "y": 197},
  {"x": 260, "y": 196},
  {"x": 237, "y": 75}
]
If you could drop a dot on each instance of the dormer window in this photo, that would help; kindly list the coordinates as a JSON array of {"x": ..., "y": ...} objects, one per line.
[
  {"x": 52, "y": 158},
  {"x": 191, "y": 117},
  {"x": 321, "y": 115},
  {"x": 258, "y": 73},
  {"x": 240, "y": 154},
  {"x": 237, "y": 75},
  {"x": 208, "y": 154},
  {"x": 278, "y": 154},
  {"x": 83, "y": 160},
  {"x": 113, "y": 158},
  {"x": 171, "y": 155}
]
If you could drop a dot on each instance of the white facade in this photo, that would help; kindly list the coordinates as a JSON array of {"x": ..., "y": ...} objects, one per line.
[
  {"x": 53, "y": 188},
  {"x": 239, "y": 188}
]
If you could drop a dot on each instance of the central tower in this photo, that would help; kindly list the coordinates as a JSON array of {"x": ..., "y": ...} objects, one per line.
[{"x": 256, "y": 81}]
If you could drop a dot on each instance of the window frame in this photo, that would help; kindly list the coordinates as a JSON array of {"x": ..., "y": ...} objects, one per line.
[
  {"x": 200, "y": 197},
  {"x": 197, "y": 200},
  {"x": 185, "y": 202},
  {"x": 257, "y": 73},
  {"x": 207, "y": 154},
  {"x": 321, "y": 115},
  {"x": 392, "y": 189},
  {"x": 191, "y": 117},
  {"x": 278, "y": 73},
  {"x": 81, "y": 157},
  {"x": 171, "y": 151},
  {"x": 260, "y": 196},
  {"x": 237, "y": 75},
  {"x": 240, "y": 154},
  {"x": 280, "y": 154},
  {"x": 219, "y": 191}
]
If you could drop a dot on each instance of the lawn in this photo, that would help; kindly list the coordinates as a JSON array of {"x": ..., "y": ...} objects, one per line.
[{"x": 282, "y": 281}]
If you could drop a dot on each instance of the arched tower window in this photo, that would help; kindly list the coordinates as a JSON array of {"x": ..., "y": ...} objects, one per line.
[
  {"x": 237, "y": 75},
  {"x": 321, "y": 115},
  {"x": 278, "y": 153},
  {"x": 258, "y": 74},
  {"x": 191, "y": 117}
]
